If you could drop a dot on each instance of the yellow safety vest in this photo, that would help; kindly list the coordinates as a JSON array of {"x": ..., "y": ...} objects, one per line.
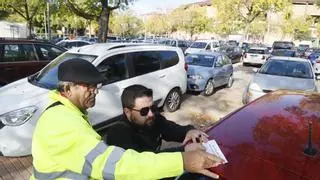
[{"x": 65, "y": 146}]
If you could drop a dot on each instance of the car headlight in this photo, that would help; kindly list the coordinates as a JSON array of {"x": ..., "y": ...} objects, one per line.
[
  {"x": 196, "y": 76},
  {"x": 254, "y": 87},
  {"x": 18, "y": 117}
]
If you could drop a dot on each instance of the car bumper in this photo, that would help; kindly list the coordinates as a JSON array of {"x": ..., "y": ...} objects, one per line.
[
  {"x": 196, "y": 85},
  {"x": 253, "y": 61},
  {"x": 16, "y": 140}
]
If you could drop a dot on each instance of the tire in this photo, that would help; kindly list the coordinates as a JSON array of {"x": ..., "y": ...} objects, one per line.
[
  {"x": 209, "y": 89},
  {"x": 230, "y": 81},
  {"x": 173, "y": 101}
]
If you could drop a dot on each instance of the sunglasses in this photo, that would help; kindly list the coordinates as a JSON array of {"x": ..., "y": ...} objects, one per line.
[{"x": 144, "y": 111}]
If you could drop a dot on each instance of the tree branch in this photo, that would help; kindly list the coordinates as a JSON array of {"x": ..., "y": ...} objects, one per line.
[
  {"x": 17, "y": 11},
  {"x": 78, "y": 12},
  {"x": 114, "y": 7},
  {"x": 36, "y": 10}
]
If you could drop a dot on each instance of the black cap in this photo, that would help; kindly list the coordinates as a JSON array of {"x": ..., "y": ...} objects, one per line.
[{"x": 79, "y": 71}]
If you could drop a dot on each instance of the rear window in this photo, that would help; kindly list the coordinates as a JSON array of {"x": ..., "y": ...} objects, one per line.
[
  {"x": 48, "y": 76},
  {"x": 256, "y": 51},
  {"x": 283, "y": 53},
  {"x": 287, "y": 68},
  {"x": 199, "y": 45},
  {"x": 283, "y": 45}
]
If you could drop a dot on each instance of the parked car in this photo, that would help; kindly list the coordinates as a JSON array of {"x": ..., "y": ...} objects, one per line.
[
  {"x": 69, "y": 44},
  {"x": 203, "y": 45},
  {"x": 207, "y": 71},
  {"x": 161, "y": 68},
  {"x": 309, "y": 51},
  {"x": 183, "y": 45},
  {"x": 315, "y": 60},
  {"x": 274, "y": 137},
  {"x": 284, "y": 52},
  {"x": 283, "y": 45},
  {"x": 233, "y": 52},
  {"x": 256, "y": 55},
  {"x": 21, "y": 58},
  {"x": 281, "y": 73}
]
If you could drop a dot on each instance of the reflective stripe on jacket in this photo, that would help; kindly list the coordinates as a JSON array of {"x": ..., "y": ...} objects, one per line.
[{"x": 65, "y": 146}]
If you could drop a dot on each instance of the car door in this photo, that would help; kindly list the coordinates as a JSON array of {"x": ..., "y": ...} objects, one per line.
[
  {"x": 145, "y": 70},
  {"x": 227, "y": 69},
  {"x": 218, "y": 71},
  {"x": 115, "y": 69},
  {"x": 17, "y": 61}
]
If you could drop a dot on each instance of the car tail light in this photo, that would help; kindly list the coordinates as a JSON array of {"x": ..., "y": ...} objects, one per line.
[
  {"x": 318, "y": 61},
  {"x": 186, "y": 66}
]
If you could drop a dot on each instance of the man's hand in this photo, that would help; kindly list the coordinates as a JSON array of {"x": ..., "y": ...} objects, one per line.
[
  {"x": 193, "y": 135},
  {"x": 194, "y": 147},
  {"x": 199, "y": 162}
]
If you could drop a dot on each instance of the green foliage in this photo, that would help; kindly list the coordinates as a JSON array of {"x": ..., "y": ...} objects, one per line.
[
  {"x": 126, "y": 24},
  {"x": 258, "y": 29},
  {"x": 194, "y": 20},
  {"x": 298, "y": 27},
  {"x": 158, "y": 24},
  {"x": 244, "y": 12}
]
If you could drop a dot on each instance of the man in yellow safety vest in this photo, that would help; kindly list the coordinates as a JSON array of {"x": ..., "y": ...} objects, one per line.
[{"x": 65, "y": 146}]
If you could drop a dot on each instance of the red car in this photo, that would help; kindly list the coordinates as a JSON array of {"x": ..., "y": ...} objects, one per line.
[{"x": 273, "y": 138}]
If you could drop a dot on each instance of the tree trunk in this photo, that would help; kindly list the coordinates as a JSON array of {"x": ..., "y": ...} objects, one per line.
[
  {"x": 104, "y": 25},
  {"x": 29, "y": 28}
]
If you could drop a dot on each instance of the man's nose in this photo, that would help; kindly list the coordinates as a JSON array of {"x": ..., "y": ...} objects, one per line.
[{"x": 150, "y": 113}]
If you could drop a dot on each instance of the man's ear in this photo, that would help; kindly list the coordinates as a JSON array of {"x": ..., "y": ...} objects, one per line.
[{"x": 127, "y": 112}]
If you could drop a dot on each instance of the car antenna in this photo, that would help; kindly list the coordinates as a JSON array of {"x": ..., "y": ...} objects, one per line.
[{"x": 309, "y": 150}]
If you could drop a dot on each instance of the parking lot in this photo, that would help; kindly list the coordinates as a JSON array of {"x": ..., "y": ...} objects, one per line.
[
  {"x": 204, "y": 111},
  {"x": 196, "y": 109}
]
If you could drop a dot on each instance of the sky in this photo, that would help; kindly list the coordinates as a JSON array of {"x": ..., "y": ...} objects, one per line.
[{"x": 148, "y": 6}]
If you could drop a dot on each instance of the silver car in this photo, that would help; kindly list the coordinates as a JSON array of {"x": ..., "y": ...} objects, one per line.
[{"x": 281, "y": 73}]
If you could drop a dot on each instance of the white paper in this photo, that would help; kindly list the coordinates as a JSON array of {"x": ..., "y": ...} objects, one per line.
[{"x": 213, "y": 148}]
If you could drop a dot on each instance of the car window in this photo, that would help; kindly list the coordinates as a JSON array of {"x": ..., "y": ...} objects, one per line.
[
  {"x": 200, "y": 60},
  {"x": 48, "y": 76},
  {"x": 256, "y": 51},
  {"x": 17, "y": 52},
  {"x": 47, "y": 52},
  {"x": 287, "y": 68},
  {"x": 168, "y": 59},
  {"x": 219, "y": 62},
  {"x": 226, "y": 60},
  {"x": 181, "y": 44},
  {"x": 114, "y": 68},
  {"x": 208, "y": 47},
  {"x": 79, "y": 44},
  {"x": 199, "y": 45},
  {"x": 145, "y": 62},
  {"x": 173, "y": 43}
]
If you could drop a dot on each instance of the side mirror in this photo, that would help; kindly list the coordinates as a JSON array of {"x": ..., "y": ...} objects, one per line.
[{"x": 255, "y": 70}]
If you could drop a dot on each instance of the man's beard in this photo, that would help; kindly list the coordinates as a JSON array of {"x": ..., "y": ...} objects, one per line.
[{"x": 145, "y": 126}]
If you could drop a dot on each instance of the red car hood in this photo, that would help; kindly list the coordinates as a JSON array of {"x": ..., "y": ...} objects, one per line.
[{"x": 266, "y": 139}]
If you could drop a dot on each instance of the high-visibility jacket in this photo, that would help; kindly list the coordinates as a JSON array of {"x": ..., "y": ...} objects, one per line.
[{"x": 65, "y": 146}]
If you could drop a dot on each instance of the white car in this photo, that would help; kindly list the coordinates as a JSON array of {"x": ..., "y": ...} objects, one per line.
[
  {"x": 69, "y": 44},
  {"x": 256, "y": 55},
  {"x": 316, "y": 68},
  {"x": 281, "y": 73},
  {"x": 203, "y": 45},
  {"x": 161, "y": 68}
]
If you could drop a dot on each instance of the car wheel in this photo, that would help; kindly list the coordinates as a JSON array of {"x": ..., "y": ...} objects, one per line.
[
  {"x": 230, "y": 81},
  {"x": 173, "y": 101},
  {"x": 209, "y": 89}
]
